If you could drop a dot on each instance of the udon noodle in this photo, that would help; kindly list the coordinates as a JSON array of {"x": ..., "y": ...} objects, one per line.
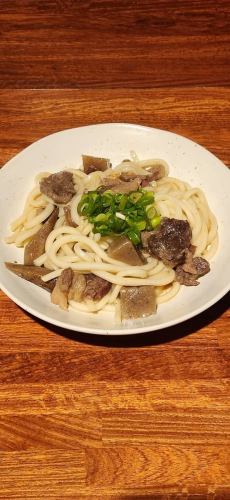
[{"x": 85, "y": 251}]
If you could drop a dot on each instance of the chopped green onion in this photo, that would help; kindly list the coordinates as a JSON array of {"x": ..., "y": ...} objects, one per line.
[
  {"x": 134, "y": 236},
  {"x": 118, "y": 213},
  {"x": 120, "y": 216},
  {"x": 141, "y": 225},
  {"x": 135, "y": 197},
  {"x": 155, "y": 221},
  {"x": 151, "y": 211}
]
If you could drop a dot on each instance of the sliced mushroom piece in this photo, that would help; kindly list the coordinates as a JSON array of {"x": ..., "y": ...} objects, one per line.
[
  {"x": 36, "y": 245},
  {"x": 59, "y": 187},
  {"x": 122, "y": 249},
  {"x": 137, "y": 301},
  {"x": 93, "y": 163},
  {"x": 59, "y": 295},
  {"x": 32, "y": 274}
]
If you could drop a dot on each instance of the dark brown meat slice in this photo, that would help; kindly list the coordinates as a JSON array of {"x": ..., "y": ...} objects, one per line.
[
  {"x": 187, "y": 273},
  {"x": 96, "y": 287},
  {"x": 59, "y": 187},
  {"x": 59, "y": 295},
  {"x": 92, "y": 164},
  {"x": 156, "y": 172},
  {"x": 127, "y": 176},
  {"x": 170, "y": 241},
  {"x": 78, "y": 286},
  {"x": 184, "y": 278},
  {"x": 122, "y": 249},
  {"x": 68, "y": 219},
  {"x": 32, "y": 274},
  {"x": 118, "y": 186},
  {"x": 202, "y": 266},
  {"x": 188, "y": 265},
  {"x": 144, "y": 237},
  {"x": 143, "y": 180},
  {"x": 110, "y": 182},
  {"x": 36, "y": 245},
  {"x": 152, "y": 174},
  {"x": 137, "y": 301}
]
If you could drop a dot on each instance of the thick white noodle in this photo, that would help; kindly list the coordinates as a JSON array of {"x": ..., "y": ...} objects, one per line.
[{"x": 84, "y": 251}]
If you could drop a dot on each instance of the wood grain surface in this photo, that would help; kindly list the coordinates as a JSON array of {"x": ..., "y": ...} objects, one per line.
[
  {"x": 114, "y": 43},
  {"x": 92, "y": 417}
]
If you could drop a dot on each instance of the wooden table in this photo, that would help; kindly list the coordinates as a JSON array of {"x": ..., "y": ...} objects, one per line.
[{"x": 86, "y": 416}]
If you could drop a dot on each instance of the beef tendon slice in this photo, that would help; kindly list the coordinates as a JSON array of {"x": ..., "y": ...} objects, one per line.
[
  {"x": 59, "y": 295},
  {"x": 122, "y": 249},
  {"x": 96, "y": 287},
  {"x": 78, "y": 286},
  {"x": 137, "y": 301},
  {"x": 36, "y": 245},
  {"x": 92, "y": 164},
  {"x": 170, "y": 241},
  {"x": 32, "y": 274},
  {"x": 59, "y": 187},
  {"x": 115, "y": 184}
]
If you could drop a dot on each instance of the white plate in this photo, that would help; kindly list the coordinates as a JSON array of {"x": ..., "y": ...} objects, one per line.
[{"x": 188, "y": 161}]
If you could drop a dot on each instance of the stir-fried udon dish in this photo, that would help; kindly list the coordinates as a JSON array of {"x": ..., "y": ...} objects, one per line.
[{"x": 121, "y": 238}]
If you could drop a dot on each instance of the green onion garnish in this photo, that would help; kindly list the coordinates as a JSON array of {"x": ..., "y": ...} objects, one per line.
[{"x": 117, "y": 213}]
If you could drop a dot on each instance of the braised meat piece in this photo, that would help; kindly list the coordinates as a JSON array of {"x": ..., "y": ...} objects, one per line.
[
  {"x": 185, "y": 278},
  {"x": 188, "y": 273},
  {"x": 170, "y": 241},
  {"x": 156, "y": 173},
  {"x": 137, "y": 301},
  {"x": 127, "y": 176},
  {"x": 36, "y": 245},
  {"x": 153, "y": 173},
  {"x": 78, "y": 286},
  {"x": 88, "y": 286},
  {"x": 116, "y": 185},
  {"x": 96, "y": 287},
  {"x": 122, "y": 249},
  {"x": 93, "y": 163},
  {"x": 202, "y": 266},
  {"x": 32, "y": 274},
  {"x": 59, "y": 187},
  {"x": 145, "y": 235},
  {"x": 60, "y": 292}
]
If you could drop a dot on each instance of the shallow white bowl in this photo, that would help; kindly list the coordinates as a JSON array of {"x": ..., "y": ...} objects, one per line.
[{"x": 188, "y": 161}]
